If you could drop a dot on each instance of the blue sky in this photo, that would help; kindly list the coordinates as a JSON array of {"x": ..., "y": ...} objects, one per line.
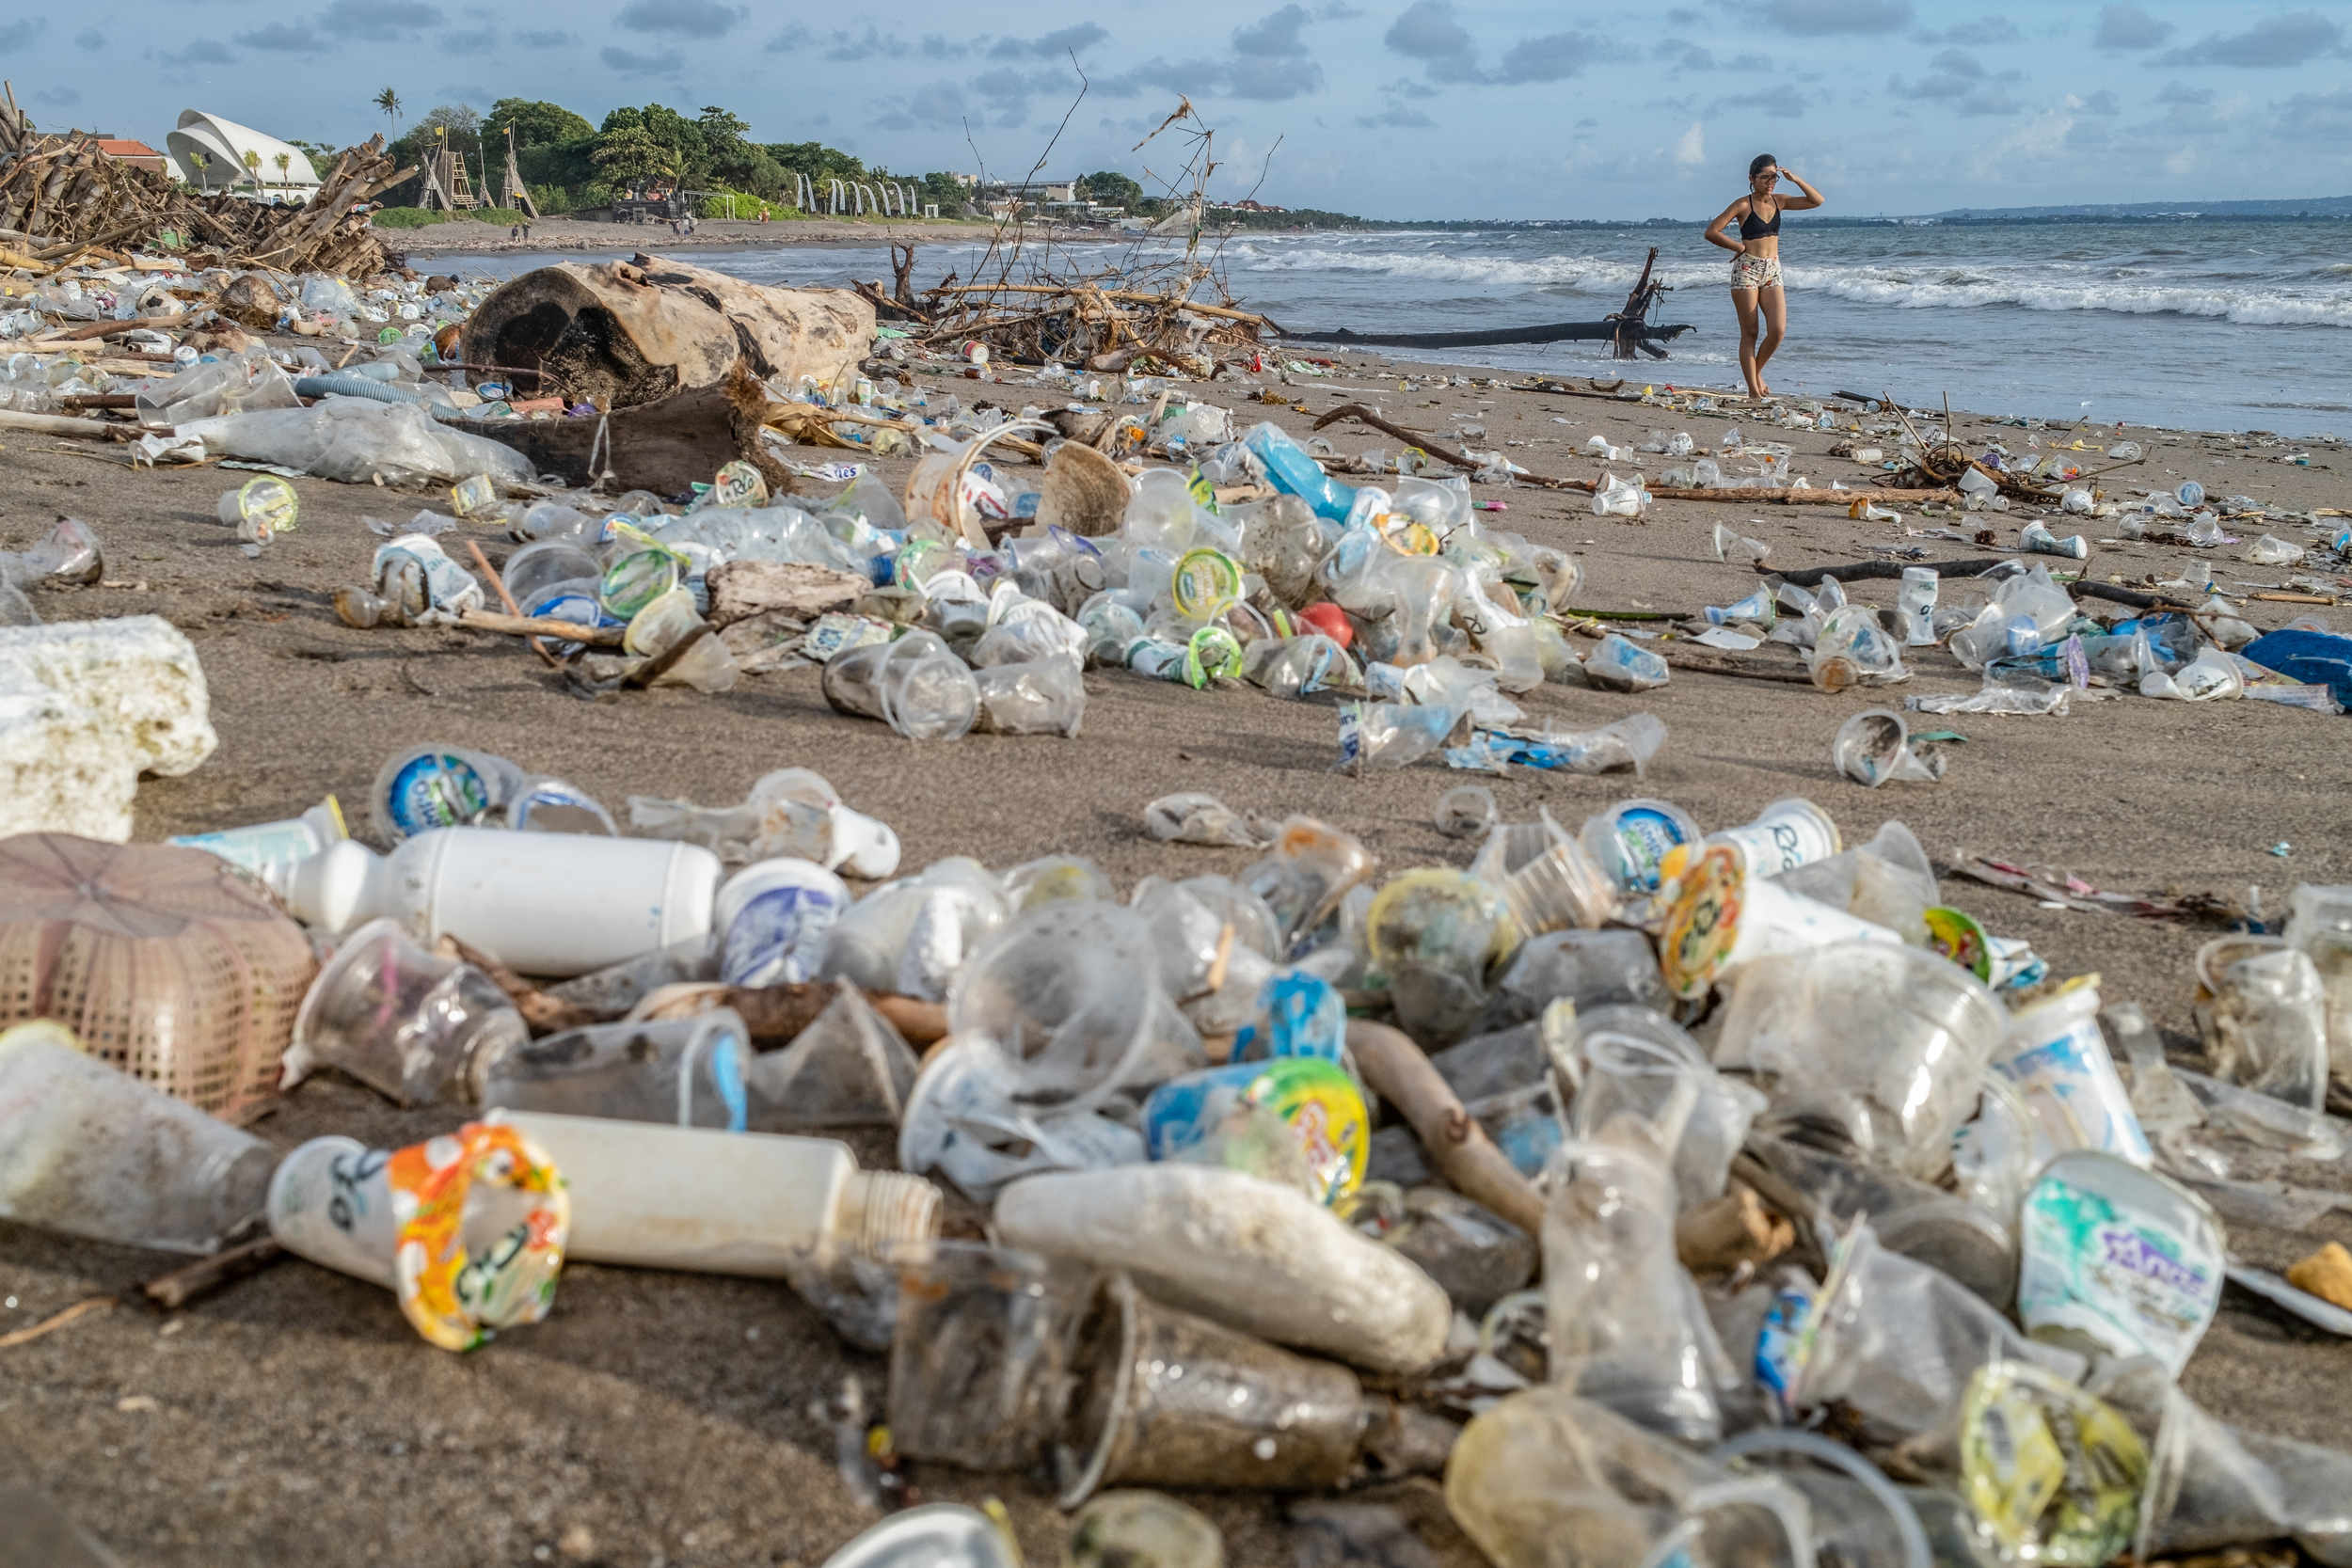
[{"x": 1393, "y": 108}]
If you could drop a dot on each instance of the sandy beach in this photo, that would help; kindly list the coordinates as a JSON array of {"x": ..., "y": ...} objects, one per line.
[{"x": 669, "y": 1419}]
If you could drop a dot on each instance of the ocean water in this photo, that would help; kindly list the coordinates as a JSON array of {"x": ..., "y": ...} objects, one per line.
[{"x": 2208, "y": 324}]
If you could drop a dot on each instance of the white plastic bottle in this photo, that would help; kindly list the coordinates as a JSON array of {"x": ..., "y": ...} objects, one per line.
[
  {"x": 555, "y": 904},
  {"x": 744, "y": 1203},
  {"x": 271, "y": 850}
]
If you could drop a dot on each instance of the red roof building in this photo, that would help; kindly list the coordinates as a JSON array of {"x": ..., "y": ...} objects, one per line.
[{"x": 136, "y": 152}]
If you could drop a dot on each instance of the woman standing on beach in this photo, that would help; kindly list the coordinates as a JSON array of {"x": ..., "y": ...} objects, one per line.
[{"x": 1756, "y": 267}]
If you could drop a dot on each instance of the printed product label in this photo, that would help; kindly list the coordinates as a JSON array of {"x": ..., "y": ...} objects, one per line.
[
  {"x": 437, "y": 790},
  {"x": 1318, "y": 1101},
  {"x": 2140, "y": 1279},
  {"x": 1645, "y": 834},
  {"x": 777, "y": 936}
]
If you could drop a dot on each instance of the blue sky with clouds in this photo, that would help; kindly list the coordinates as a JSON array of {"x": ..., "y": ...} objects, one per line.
[{"x": 1395, "y": 108}]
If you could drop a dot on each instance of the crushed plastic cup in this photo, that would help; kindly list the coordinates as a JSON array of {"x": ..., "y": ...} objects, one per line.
[
  {"x": 1900, "y": 1342},
  {"x": 2121, "y": 1258},
  {"x": 1630, "y": 842},
  {"x": 1161, "y": 1398},
  {"x": 87, "y": 1151},
  {"x": 1542, "y": 1468},
  {"x": 1874, "y": 747},
  {"x": 426, "y": 787},
  {"x": 1621, "y": 665},
  {"x": 847, "y": 1068},
  {"x": 965, "y": 1119},
  {"x": 1559, "y": 888},
  {"x": 1467, "y": 812},
  {"x": 1142, "y": 1530},
  {"x": 1437, "y": 934},
  {"x": 1317, "y": 1103},
  {"x": 980, "y": 1353},
  {"x": 260, "y": 510},
  {"x": 1196, "y": 818},
  {"x": 943, "y": 1533},
  {"x": 2055, "y": 1054},
  {"x": 1069, "y": 997},
  {"x": 2051, "y": 1474},
  {"x": 2263, "y": 1012},
  {"x": 1627, "y": 1331},
  {"x": 1734, "y": 550},
  {"x": 400, "y": 1019},
  {"x": 2038, "y": 540},
  {"x": 687, "y": 1072},
  {"x": 1883, "y": 1041},
  {"x": 468, "y": 1230}
]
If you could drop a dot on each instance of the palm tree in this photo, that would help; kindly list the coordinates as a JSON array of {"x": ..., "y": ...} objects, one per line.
[
  {"x": 284, "y": 162},
  {"x": 387, "y": 102},
  {"x": 253, "y": 168}
]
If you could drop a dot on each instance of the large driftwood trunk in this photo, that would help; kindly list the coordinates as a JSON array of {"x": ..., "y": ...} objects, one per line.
[
  {"x": 662, "y": 446},
  {"x": 634, "y": 332}
]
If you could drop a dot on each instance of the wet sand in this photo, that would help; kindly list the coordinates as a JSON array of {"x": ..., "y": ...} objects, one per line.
[{"x": 671, "y": 1419}]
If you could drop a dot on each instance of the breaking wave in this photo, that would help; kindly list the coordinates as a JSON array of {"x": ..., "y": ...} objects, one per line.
[
  {"x": 2121, "y": 291},
  {"x": 1438, "y": 266}
]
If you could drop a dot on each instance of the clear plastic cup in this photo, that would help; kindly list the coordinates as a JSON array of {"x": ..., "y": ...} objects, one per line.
[
  {"x": 980, "y": 1353},
  {"x": 87, "y": 1151},
  {"x": 399, "y": 1019}
]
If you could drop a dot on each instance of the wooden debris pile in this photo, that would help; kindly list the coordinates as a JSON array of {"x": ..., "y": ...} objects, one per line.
[
  {"x": 61, "y": 194},
  {"x": 1108, "y": 323}
]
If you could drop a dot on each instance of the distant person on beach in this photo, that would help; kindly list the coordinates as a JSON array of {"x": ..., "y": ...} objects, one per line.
[{"x": 1755, "y": 288}]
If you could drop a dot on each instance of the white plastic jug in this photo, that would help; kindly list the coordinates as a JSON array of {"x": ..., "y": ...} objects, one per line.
[{"x": 556, "y": 903}]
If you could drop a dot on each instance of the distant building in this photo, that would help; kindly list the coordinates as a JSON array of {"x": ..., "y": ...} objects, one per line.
[
  {"x": 217, "y": 155},
  {"x": 1243, "y": 207},
  {"x": 137, "y": 153}
]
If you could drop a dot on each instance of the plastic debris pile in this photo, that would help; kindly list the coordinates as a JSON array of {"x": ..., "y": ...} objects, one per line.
[{"x": 1647, "y": 1184}]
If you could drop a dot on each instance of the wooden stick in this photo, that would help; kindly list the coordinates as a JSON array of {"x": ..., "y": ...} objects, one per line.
[
  {"x": 88, "y": 330},
  {"x": 518, "y": 625},
  {"x": 545, "y": 1014},
  {"x": 57, "y": 424},
  {"x": 1458, "y": 1147},
  {"x": 55, "y": 1320},
  {"x": 177, "y": 1289}
]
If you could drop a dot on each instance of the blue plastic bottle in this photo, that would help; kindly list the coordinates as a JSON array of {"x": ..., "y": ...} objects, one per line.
[{"x": 1292, "y": 470}]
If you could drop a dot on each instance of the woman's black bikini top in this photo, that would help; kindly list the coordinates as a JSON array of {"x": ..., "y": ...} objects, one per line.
[{"x": 1750, "y": 229}]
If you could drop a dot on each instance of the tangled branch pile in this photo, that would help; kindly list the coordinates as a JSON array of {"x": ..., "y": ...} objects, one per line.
[
  {"x": 64, "y": 191},
  {"x": 1137, "y": 314},
  {"x": 1137, "y": 327}
]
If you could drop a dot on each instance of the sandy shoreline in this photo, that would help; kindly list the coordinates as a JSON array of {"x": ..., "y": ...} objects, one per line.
[{"x": 295, "y": 1418}]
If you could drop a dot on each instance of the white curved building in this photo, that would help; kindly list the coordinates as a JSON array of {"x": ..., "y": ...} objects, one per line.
[{"x": 222, "y": 146}]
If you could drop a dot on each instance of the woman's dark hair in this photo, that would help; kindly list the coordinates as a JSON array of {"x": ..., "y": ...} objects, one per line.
[{"x": 1763, "y": 161}]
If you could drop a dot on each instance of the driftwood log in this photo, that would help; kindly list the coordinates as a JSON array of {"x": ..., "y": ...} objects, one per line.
[
  {"x": 663, "y": 445},
  {"x": 626, "y": 334}
]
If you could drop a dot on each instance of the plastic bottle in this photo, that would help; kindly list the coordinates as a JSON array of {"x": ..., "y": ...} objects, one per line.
[
  {"x": 1295, "y": 473},
  {"x": 558, "y": 904},
  {"x": 746, "y": 1203},
  {"x": 271, "y": 850}
]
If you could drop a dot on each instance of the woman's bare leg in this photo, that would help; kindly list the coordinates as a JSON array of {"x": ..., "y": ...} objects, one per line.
[
  {"x": 1743, "y": 301},
  {"x": 1773, "y": 304}
]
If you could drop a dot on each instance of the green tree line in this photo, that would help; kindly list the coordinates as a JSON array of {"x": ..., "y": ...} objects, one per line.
[{"x": 570, "y": 165}]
